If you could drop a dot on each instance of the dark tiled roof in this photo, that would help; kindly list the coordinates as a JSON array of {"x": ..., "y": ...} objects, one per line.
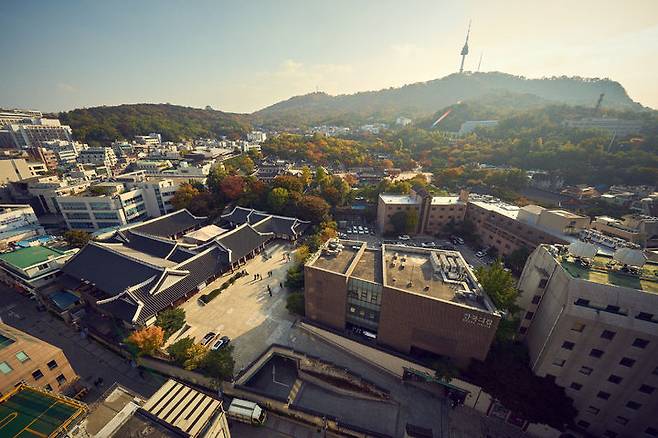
[
  {"x": 121, "y": 308},
  {"x": 242, "y": 240},
  {"x": 180, "y": 255},
  {"x": 170, "y": 225},
  {"x": 239, "y": 215},
  {"x": 200, "y": 268},
  {"x": 267, "y": 223},
  {"x": 109, "y": 271},
  {"x": 156, "y": 247}
]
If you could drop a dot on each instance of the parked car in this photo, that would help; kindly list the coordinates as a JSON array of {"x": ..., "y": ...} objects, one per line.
[
  {"x": 208, "y": 337},
  {"x": 428, "y": 245},
  {"x": 404, "y": 237},
  {"x": 480, "y": 254},
  {"x": 221, "y": 343}
]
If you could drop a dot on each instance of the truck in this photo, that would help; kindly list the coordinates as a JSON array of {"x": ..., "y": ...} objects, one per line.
[{"x": 245, "y": 411}]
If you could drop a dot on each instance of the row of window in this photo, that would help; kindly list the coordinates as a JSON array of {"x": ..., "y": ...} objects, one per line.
[
  {"x": 638, "y": 343},
  {"x": 644, "y": 316},
  {"x": 649, "y": 431}
]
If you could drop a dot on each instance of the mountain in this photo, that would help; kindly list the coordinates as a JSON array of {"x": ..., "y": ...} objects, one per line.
[
  {"x": 105, "y": 124},
  {"x": 424, "y": 98}
]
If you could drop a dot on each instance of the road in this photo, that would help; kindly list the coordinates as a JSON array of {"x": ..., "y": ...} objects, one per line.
[
  {"x": 89, "y": 359},
  {"x": 278, "y": 427}
]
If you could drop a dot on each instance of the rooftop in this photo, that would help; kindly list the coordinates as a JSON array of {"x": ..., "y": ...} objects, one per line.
[
  {"x": 28, "y": 411},
  {"x": 25, "y": 257},
  {"x": 398, "y": 199},
  {"x": 602, "y": 271},
  {"x": 445, "y": 200},
  {"x": 338, "y": 261},
  {"x": 497, "y": 206},
  {"x": 369, "y": 266}
]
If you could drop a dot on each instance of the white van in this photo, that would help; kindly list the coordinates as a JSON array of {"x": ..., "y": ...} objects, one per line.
[{"x": 248, "y": 412}]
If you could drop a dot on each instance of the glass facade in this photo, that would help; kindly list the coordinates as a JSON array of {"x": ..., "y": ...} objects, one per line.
[{"x": 364, "y": 300}]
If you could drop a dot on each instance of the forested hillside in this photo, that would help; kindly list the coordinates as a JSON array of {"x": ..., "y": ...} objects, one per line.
[
  {"x": 424, "y": 98},
  {"x": 107, "y": 123}
]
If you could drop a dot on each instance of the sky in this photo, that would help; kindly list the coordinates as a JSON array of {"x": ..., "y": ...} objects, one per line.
[{"x": 241, "y": 56}]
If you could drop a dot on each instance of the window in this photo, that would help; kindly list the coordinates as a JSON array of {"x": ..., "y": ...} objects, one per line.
[
  {"x": 622, "y": 420},
  {"x": 582, "y": 423},
  {"x": 559, "y": 362},
  {"x": 633, "y": 405},
  {"x": 604, "y": 395},
  {"x": 609, "y": 434},
  {"x": 529, "y": 315},
  {"x": 655, "y": 371},
  {"x": 607, "y": 334},
  {"x": 5, "y": 368},
  {"x": 596, "y": 353},
  {"x": 52, "y": 365},
  {"x": 640, "y": 343},
  {"x": 37, "y": 374},
  {"x": 48, "y": 387},
  {"x": 5, "y": 341},
  {"x": 567, "y": 345},
  {"x": 586, "y": 370},
  {"x": 576, "y": 386},
  {"x": 627, "y": 362},
  {"x": 651, "y": 431},
  {"x": 523, "y": 330},
  {"x": 615, "y": 379},
  {"x": 535, "y": 299},
  {"x": 645, "y": 316},
  {"x": 612, "y": 309},
  {"x": 542, "y": 283},
  {"x": 61, "y": 379},
  {"x": 647, "y": 389},
  {"x": 582, "y": 302},
  {"x": 578, "y": 327},
  {"x": 22, "y": 356},
  {"x": 593, "y": 410}
]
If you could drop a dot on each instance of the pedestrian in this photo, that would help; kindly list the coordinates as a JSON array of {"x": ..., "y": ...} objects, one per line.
[
  {"x": 270, "y": 292},
  {"x": 281, "y": 285}
]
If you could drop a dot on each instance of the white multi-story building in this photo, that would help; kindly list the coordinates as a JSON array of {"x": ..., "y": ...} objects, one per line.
[
  {"x": 591, "y": 324},
  {"x": 18, "y": 222},
  {"x": 152, "y": 139},
  {"x": 126, "y": 200},
  {"x": 98, "y": 156},
  {"x": 619, "y": 127},
  {"x": 34, "y": 132},
  {"x": 256, "y": 136},
  {"x": 153, "y": 167},
  {"x": 18, "y": 116},
  {"x": 402, "y": 121}
]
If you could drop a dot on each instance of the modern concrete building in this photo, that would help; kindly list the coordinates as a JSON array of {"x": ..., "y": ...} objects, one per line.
[
  {"x": 18, "y": 222},
  {"x": 32, "y": 133},
  {"x": 591, "y": 324},
  {"x": 98, "y": 156},
  {"x": 621, "y": 128},
  {"x": 413, "y": 300},
  {"x": 26, "y": 359},
  {"x": 14, "y": 169},
  {"x": 433, "y": 212},
  {"x": 33, "y": 267},
  {"x": 637, "y": 228}
]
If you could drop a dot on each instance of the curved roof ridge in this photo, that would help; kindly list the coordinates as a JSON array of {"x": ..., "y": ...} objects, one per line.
[{"x": 108, "y": 246}]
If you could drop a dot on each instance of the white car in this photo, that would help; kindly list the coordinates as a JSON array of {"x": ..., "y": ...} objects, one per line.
[
  {"x": 404, "y": 237},
  {"x": 480, "y": 254},
  {"x": 428, "y": 245}
]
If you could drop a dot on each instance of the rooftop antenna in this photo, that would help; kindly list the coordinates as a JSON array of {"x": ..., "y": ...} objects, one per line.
[
  {"x": 465, "y": 48},
  {"x": 479, "y": 62}
]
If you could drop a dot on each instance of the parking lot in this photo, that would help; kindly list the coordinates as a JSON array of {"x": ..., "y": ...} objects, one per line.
[{"x": 245, "y": 312}]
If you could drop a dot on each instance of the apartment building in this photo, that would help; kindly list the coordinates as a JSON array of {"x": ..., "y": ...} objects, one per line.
[
  {"x": 119, "y": 202},
  {"x": 434, "y": 212},
  {"x": 636, "y": 228},
  {"x": 98, "y": 156},
  {"x": 32, "y": 133},
  {"x": 18, "y": 116},
  {"x": 14, "y": 169},
  {"x": 26, "y": 359},
  {"x": 18, "y": 222},
  {"x": 591, "y": 324},
  {"x": 413, "y": 300}
]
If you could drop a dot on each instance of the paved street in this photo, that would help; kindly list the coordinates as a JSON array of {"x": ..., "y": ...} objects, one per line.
[
  {"x": 278, "y": 427},
  {"x": 88, "y": 358},
  {"x": 245, "y": 311}
]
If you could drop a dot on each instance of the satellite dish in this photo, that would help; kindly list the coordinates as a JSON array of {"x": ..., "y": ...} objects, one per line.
[
  {"x": 631, "y": 257},
  {"x": 583, "y": 249}
]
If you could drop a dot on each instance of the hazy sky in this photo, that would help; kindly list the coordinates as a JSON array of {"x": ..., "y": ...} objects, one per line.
[{"x": 244, "y": 55}]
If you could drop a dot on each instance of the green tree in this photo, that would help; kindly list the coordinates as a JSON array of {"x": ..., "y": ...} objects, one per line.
[
  {"x": 295, "y": 303},
  {"x": 178, "y": 350},
  {"x": 218, "y": 364},
  {"x": 411, "y": 221},
  {"x": 277, "y": 199},
  {"x": 445, "y": 369},
  {"x": 399, "y": 222},
  {"x": 499, "y": 285},
  {"x": 516, "y": 260},
  {"x": 77, "y": 239},
  {"x": 295, "y": 278},
  {"x": 312, "y": 208},
  {"x": 171, "y": 320},
  {"x": 184, "y": 196}
]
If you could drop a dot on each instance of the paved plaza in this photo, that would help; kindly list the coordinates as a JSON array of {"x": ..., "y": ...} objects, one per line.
[{"x": 245, "y": 312}]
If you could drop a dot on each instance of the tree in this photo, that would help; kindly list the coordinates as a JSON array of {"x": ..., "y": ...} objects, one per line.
[
  {"x": 232, "y": 187},
  {"x": 178, "y": 350},
  {"x": 184, "y": 196},
  {"x": 312, "y": 208},
  {"x": 295, "y": 303},
  {"x": 77, "y": 239},
  {"x": 399, "y": 222},
  {"x": 147, "y": 340},
  {"x": 506, "y": 375},
  {"x": 196, "y": 354},
  {"x": 289, "y": 182},
  {"x": 171, "y": 320},
  {"x": 295, "y": 278},
  {"x": 411, "y": 221},
  {"x": 445, "y": 369},
  {"x": 277, "y": 199},
  {"x": 499, "y": 285},
  {"x": 218, "y": 364},
  {"x": 516, "y": 260}
]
